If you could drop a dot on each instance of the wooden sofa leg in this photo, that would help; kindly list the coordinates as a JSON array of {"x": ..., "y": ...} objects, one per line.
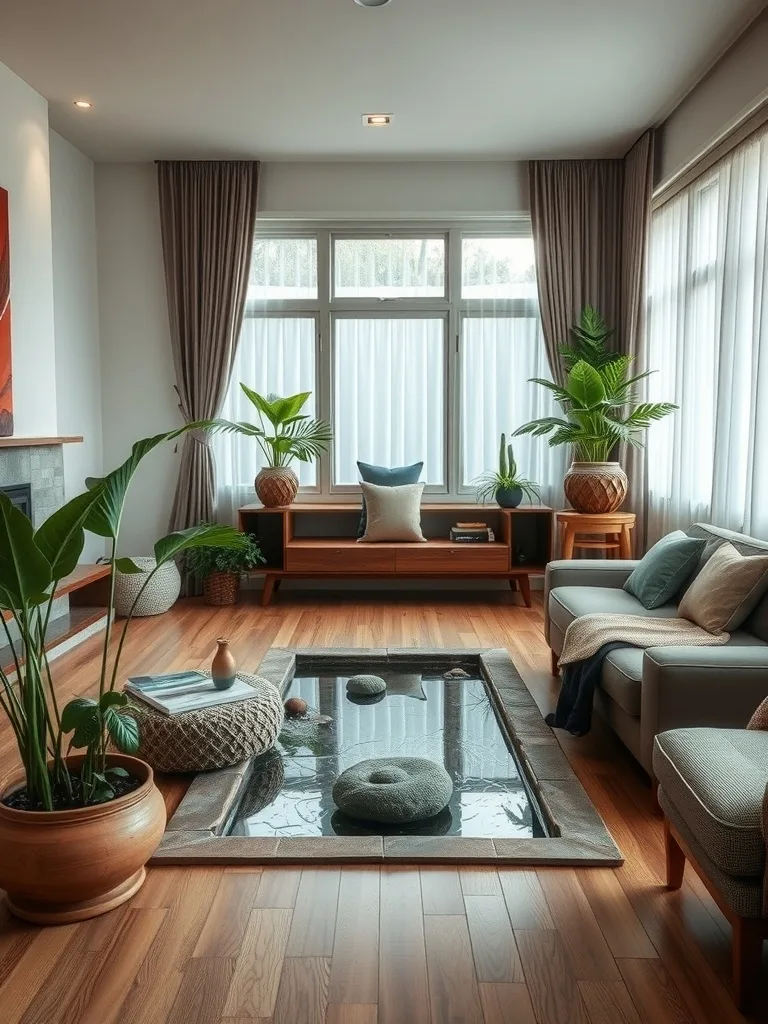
[
  {"x": 675, "y": 859},
  {"x": 553, "y": 664},
  {"x": 746, "y": 958}
]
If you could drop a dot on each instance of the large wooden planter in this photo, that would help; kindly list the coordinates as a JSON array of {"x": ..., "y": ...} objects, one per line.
[
  {"x": 595, "y": 488},
  {"x": 64, "y": 866}
]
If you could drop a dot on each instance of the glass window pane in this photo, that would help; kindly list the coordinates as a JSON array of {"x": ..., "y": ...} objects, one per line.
[
  {"x": 498, "y": 356},
  {"x": 283, "y": 268},
  {"x": 498, "y": 268},
  {"x": 389, "y": 268},
  {"x": 389, "y": 395},
  {"x": 276, "y": 355}
]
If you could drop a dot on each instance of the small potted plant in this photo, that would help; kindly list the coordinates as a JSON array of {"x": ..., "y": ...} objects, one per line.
[
  {"x": 81, "y": 816},
  {"x": 505, "y": 485},
  {"x": 600, "y": 412},
  {"x": 221, "y": 569},
  {"x": 289, "y": 435}
]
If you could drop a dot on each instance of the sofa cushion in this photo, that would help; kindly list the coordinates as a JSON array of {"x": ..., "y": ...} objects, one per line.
[
  {"x": 757, "y": 622},
  {"x": 621, "y": 678},
  {"x": 727, "y": 590},
  {"x": 664, "y": 570},
  {"x": 715, "y": 780},
  {"x": 568, "y": 603}
]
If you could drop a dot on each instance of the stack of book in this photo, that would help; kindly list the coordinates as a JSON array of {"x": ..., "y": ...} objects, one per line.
[
  {"x": 471, "y": 533},
  {"x": 177, "y": 692}
]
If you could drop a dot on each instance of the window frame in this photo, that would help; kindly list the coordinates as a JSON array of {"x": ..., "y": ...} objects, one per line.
[{"x": 451, "y": 307}]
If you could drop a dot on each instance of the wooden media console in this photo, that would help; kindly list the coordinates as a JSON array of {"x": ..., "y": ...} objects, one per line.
[{"x": 317, "y": 541}]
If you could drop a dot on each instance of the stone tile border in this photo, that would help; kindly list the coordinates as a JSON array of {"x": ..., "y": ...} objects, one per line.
[{"x": 577, "y": 834}]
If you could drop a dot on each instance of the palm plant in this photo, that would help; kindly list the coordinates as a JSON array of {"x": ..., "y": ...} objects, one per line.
[
  {"x": 293, "y": 435},
  {"x": 32, "y": 564},
  {"x": 599, "y": 399},
  {"x": 505, "y": 478}
]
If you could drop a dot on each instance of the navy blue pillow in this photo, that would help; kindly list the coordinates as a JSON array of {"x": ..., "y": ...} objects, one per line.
[{"x": 386, "y": 477}]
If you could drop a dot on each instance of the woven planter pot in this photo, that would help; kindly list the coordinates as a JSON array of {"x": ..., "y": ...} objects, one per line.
[
  {"x": 595, "y": 487},
  {"x": 276, "y": 488},
  {"x": 162, "y": 592},
  {"x": 220, "y": 588}
]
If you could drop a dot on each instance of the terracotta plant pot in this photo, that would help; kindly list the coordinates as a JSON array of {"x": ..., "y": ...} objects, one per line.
[
  {"x": 63, "y": 866},
  {"x": 595, "y": 487},
  {"x": 220, "y": 588},
  {"x": 276, "y": 488}
]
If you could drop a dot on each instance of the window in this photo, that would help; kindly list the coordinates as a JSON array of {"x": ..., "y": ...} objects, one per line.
[
  {"x": 707, "y": 336},
  {"x": 416, "y": 346}
]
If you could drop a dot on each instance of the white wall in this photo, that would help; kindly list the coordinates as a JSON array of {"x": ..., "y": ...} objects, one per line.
[
  {"x": 733, "y": 88},
  {"x": 76, "y": 319},
  {"x": 137, "y": 376},
  {"x": 136, "y": 363},
  {"x": 25, "y": 173}
]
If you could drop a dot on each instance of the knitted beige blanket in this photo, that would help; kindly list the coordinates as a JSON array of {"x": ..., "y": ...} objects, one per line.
[{"x": 587, "y": 634}]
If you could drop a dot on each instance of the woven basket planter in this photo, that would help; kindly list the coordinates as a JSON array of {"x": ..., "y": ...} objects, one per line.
[
  {"x": 595, "y": 487},
  {"x": 162, "y": 592},
  {"x": 211, "y": 738},
  {"x": 220, "y": 588},
  {"x": 276, "y": 487}
]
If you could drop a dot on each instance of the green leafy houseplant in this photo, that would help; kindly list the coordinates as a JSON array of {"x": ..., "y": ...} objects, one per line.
[
  {"x": 202, "y": 561},
  {"x": 505, "y": 484},
  {"x": 32, "y": 563},
  {"x": 283, "y": 433},
  {"x": 599, "y": 398}
]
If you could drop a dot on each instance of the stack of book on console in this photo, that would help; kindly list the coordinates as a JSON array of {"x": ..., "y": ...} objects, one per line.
[
  {"x": 471, "y": 533},
  {"x": 178, "y": 692}
]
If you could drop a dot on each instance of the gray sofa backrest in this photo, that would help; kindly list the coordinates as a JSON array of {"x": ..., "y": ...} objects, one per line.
[{"x": 757, "y": 622}]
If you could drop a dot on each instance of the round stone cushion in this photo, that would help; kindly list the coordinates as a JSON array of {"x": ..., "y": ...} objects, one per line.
[
  {"x": 215, "y": 737},
  {"x": 393, "y": 790},
  {"x": 366, "y": 686}
]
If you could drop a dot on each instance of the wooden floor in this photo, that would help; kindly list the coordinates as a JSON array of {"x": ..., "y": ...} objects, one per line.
[{"x": 398, "y": 945}]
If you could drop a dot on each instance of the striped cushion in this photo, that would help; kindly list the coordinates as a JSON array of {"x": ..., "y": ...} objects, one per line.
[{"x": 716, "y": 779}]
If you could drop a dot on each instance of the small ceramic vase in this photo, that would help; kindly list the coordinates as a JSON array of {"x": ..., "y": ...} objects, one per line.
[{"x": 223, "y": 666}]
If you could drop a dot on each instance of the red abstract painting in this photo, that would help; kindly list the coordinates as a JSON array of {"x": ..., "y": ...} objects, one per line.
[{"x": 6, "y": 379}]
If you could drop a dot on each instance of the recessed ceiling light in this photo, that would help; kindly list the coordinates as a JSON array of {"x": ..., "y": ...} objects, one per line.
[
  {"x": 372, "y": 3},
  {"x": 377, "y": 120},
  {"x": 83, "y": 104}
]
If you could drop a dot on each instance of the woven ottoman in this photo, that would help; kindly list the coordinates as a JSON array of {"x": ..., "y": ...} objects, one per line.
[
  {"x": 215, "y": 737},
  {"x": 161, "y": 593}
]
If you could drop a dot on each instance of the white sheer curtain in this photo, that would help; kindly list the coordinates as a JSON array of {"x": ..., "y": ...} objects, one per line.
[
  {"x": 276, "y": 355},
  {"x": 708, "y": 338}
]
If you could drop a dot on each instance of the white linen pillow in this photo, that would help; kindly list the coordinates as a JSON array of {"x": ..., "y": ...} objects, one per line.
[{"x": 394, "y": 513}]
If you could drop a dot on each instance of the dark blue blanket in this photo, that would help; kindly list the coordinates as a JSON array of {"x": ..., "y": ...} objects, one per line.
[{"x": 574, "y": 705}]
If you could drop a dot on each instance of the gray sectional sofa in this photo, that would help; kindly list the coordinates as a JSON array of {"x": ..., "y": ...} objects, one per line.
[{"x": 643, "y": 693}]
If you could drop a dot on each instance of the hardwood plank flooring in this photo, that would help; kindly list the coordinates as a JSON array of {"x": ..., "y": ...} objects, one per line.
[{"x": 390, "y": 945}]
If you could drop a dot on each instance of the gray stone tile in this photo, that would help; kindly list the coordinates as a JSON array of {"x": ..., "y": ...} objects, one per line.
[
  {"x": 204, "y": 848},
  {"x": 574, "y": 813},
  {"x": 209, "y": 801},
  {"x": 547, "y": 760},
  {"x": 431, "y": 848},
  {"x": 556, "y": 852},
  {"x": 332, "y": 848}
]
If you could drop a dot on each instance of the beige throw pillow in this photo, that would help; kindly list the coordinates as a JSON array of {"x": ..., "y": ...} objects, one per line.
[
  {"x": 760, "y": 718},
  {"x": 726, "y": 590},
  {"x": 393, "y": 513}
]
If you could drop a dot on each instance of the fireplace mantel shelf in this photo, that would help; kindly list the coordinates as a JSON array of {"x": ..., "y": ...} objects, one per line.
[{"x": 36, "y": 442}]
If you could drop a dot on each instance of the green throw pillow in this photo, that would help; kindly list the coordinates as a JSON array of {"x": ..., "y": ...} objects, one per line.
[{"x": 665, "y": 569}]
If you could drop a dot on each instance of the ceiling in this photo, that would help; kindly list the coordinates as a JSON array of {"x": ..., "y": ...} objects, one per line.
[{"x": 290, "y": 79}]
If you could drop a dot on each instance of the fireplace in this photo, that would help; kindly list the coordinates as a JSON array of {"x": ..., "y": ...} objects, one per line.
[{"x": 21, "y": 496}]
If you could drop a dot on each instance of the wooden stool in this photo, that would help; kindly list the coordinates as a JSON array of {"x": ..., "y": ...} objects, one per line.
[{"x": 615, "y": 527}]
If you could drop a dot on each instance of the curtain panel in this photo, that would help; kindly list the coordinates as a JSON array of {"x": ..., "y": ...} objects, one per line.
[
  {"x": 207, "y": 220},
  {"x": 707, "y": 334},
  {"x": 590, "y": 227}
]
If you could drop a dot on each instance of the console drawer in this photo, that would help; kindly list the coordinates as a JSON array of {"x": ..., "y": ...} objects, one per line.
[
  {"x": 453, "y": 558},
  {"x": 350, "y": 559}
]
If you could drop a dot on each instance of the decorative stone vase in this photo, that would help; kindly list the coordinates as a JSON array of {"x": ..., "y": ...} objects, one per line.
[
  {"x": 63, "y": 866},
  {"x": 223, "y": 666},
  {"x": 595, "y": 487},
  {"x": 221, "y": 588},
  {"x": 509, "y": 497},
  {"x": 276, "y": 487}
]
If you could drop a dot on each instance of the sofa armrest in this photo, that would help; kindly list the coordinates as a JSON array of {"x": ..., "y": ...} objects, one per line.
[
  {"x": 685, "y": 687},
  {"x": 584, "y": 572}
]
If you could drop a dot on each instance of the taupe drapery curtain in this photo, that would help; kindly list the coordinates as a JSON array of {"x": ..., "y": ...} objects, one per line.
[
  {"x": 590, "y": 223},
  {"x": 207, "y": 220}
]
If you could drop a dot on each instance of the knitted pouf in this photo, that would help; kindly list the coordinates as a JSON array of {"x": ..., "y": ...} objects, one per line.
[
  {"x": 366, "y": 686},
  {"x": 393, "y": 790},
  {"x": 215, "y": 737},
  {"x": 162, "y": 592}
]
